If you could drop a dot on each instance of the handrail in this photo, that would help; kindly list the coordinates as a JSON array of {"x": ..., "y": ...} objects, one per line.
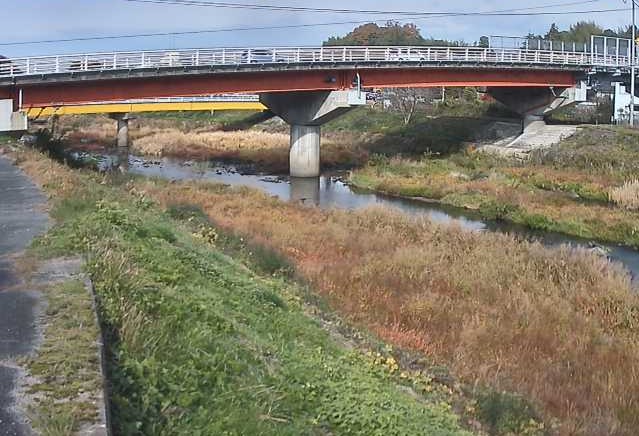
[{"x": 161, "y": 59}]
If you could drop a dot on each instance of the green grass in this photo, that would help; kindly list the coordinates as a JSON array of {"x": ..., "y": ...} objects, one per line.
[
  {"x": 564, "y": 189},
  {"x": 200, "y": 344},
  {"x": 66, "y": 367},
  {"x": 387, "y": 135}
]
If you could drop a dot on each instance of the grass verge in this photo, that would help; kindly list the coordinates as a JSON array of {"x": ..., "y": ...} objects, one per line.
[{"x": 65, "y": 368}]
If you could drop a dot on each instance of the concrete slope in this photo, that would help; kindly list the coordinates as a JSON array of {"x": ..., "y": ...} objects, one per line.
[{"x": 538, "y": 135}]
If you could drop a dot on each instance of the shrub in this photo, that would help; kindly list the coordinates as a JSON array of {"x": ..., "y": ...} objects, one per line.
[{"x": 627, "y": 195}]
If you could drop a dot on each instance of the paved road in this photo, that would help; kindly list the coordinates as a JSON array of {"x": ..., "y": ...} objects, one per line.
[{"x": 21, "y": 218}]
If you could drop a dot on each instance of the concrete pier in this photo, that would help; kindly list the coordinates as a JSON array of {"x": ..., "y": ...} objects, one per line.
[
  {"x": 304, "y": 156},
  {"x": 305, "y": 112},
  {"x": 533, "y": 104},
  {"x": 123, "y": 131}
]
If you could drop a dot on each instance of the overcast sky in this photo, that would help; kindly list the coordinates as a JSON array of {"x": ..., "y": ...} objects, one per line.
[{"x": 30, "y": 20}]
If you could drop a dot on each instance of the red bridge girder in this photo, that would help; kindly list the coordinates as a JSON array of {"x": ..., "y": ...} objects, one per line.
[{"x": 69, "y": 91}]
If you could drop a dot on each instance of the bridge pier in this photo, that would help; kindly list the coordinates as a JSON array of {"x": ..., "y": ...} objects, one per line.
[
  {"x": 304, "y": 154},
  {"x": 533, "y": 104},
  {"x": 305, "y": 112},
  {"x": 122, "y": 135}
]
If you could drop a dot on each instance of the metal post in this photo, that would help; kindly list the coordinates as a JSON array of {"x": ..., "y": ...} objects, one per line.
[{"x": 632, "y": 69}]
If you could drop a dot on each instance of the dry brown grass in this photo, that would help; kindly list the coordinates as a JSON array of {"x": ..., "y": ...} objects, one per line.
[
  {"x": 627, "y": 195},
  {"x": 556, "y": 326},
  {"x": 267, "y": 150}
]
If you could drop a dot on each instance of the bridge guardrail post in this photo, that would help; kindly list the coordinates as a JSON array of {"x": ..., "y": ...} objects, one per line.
[
  {"x": 57, "y": 64},
  {"x": 344, "y": 54},
  {"x": 115, "y": 61},
  {"x": 28, "y": 65},
  {"x": 197, "y": 58}
]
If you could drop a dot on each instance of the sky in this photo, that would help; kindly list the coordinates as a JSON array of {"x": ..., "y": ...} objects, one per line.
[{"x": 38, "y": 20}]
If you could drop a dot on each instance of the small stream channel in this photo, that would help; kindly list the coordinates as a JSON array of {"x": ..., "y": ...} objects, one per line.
[{"x": 331, "y": 191}]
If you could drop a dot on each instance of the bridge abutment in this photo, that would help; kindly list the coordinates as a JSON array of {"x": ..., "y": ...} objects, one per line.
[{"x": 305, "y": 112}]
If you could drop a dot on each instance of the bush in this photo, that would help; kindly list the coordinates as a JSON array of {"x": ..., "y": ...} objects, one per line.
[{"x": 627, "y": 195}]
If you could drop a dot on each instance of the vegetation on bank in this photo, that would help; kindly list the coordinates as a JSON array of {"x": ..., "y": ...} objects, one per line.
[
  {"x": 347, "y": 142},
  {"x": 570, "y": 188},
  {"x": 199, "y": 343},
  {"x": 555, "y": 326},
  {"x": 64, "y": 371}
]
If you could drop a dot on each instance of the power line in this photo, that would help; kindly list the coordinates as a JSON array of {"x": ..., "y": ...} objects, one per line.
[
  {"x": 288, "y": 8},
  {"x": 510, "y": 12}
]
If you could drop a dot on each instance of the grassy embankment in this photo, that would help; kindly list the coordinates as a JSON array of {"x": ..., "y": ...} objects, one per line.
[
  {"x": 201, "y": 344},
  {"x": 347, "y": 141},
  {"x": 556, "y": 327},
  {"x": 570, "y": 188}
]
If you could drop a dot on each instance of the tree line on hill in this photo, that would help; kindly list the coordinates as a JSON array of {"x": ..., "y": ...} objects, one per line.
[{"x": 395, "y": 33}]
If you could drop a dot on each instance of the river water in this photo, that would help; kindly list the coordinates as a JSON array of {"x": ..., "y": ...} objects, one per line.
[{"x": 331, "y": 191}]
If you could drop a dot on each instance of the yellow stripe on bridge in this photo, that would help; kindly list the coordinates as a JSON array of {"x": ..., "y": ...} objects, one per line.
[{"x": 108, "y": 108}]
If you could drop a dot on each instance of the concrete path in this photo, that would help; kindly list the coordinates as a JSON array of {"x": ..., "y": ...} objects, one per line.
[{"x": 22, "y": 217}]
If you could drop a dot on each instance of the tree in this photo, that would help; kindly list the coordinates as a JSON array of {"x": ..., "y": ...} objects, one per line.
[
  {"x": 393, "y": 33},
  {"x": 553, "y": 33},
  {"x": 406, "y": 100},
  {"x": 582, "y": 30},
  {"x": 484, "y": 42}
]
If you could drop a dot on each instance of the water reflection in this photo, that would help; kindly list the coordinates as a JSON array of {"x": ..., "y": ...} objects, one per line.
[{"x": 306, "y": 189}]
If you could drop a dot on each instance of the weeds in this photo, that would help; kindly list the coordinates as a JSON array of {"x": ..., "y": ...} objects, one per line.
[
  {"x": 65, "y": 367},
  {"x": 500, "y": 312},
  {"x": 540, "y": 196},
  {"x": 627, "y": 195},
  {"x": 200, "y": 344}
]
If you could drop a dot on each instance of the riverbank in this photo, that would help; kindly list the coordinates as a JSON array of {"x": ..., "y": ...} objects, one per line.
[
  {"x": 568, "y": 189},
  {"x": 199, "y": 342},
  {"x": 347, "y": 142},
  {"x": 500, "y": 313}
]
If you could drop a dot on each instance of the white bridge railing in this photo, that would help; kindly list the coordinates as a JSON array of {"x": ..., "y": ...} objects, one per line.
[{"x": 158, "y": 59}]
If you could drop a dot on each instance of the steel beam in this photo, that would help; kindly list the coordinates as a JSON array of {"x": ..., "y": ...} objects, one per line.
[{"x": 52, "y": 94}]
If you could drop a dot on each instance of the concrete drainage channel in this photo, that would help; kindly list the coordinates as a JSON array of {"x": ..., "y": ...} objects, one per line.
[{"x": 23, "y": 302}]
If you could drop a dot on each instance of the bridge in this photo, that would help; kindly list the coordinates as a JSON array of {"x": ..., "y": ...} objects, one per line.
[{"x": 306, "y": 86}]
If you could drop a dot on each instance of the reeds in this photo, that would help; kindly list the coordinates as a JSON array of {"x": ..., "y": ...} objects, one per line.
[{"x": 626, "y": 195}]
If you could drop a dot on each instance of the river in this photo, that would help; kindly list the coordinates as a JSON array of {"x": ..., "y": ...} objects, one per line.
[{"x": 331, "y": 191}]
